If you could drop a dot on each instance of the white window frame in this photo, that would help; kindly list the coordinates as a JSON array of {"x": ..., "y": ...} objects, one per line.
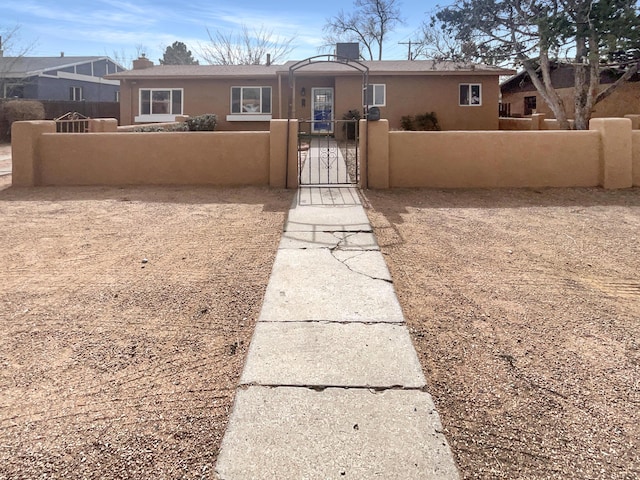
[
  {"x": 374, "y": 87},
  {"x": 75, "y": 94},
  {"x": 253, "y": 115},
  {"x": 469, "y": 86},
  {"x": 159, "y": 117}
]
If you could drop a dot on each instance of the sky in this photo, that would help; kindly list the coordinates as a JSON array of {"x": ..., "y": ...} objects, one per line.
[{"x": 118, "y": 28}]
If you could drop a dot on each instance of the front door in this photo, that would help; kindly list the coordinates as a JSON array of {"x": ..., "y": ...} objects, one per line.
[{"x": 322, "y": 110}]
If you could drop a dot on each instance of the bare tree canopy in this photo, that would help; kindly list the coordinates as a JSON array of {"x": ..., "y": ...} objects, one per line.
[
  {"x": 246, "y": 47},
  {"x": 10, "y": 42},
  {"x": 177, "y": 54},
  {"x": 368, "y": 25},
  {"x": 592, "y": 35}
]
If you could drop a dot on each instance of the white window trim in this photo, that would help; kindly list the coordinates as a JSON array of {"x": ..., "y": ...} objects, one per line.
[
  {"x": 80, "y": 93},
  {"x": 249, "y": 117},
  {"x": 469, "y": 85},
  {"x": 373, "y": 94},
  {"x": 248, "y": 114},
  {"x": 159, "y": 117}
]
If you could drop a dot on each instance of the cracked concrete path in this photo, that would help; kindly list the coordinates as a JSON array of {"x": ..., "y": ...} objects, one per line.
[{"x": 332, "y": 386}]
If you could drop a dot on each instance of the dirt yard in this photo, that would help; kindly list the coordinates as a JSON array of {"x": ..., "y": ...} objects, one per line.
[
  {"x": 126, "y": 314},
  {"x": 524, "y": 307}
]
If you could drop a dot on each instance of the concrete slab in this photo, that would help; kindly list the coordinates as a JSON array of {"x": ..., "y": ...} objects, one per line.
[
  {"x": 294, "y": 433},
  {"x": 330, "y": 354},
  {"x": 319, "y": 284},
  {"x": 331, "y": 240},
  {"x": 324, "y": 219},
  {"x": 327, "y": 196}
]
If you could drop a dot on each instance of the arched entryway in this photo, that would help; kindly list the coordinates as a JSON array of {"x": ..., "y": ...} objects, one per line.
[{"x": 327, "y": 138}]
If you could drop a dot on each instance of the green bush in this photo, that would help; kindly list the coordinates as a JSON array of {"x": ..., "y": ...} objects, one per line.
[
  {"x": 202, "y": 123},
  {"x": 421, "y": 122},
  {"x": 350, "y": 127},
  {"x": 20, "y": 110}
]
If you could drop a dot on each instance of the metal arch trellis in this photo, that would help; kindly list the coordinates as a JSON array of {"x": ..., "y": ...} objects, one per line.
[
  {"x": 325, "y": 160},
  {"x": 328, "y": 58}
]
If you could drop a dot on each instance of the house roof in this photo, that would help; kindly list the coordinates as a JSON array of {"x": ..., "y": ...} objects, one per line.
[
  {"x": 198, "y": 71},
  {"x": 383, "y": 67},
  {"x": 562, "y": 76},
  {"x": 30, "y": 66}
]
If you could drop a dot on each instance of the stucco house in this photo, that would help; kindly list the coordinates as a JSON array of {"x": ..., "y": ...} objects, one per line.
[
  {"x": 523, "y": 98},
  {"x": 246, "y": 97},
  {"x": 59, "y": 78}
]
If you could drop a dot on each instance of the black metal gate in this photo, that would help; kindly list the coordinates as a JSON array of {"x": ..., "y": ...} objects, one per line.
[{"x": 328, "y": 152}]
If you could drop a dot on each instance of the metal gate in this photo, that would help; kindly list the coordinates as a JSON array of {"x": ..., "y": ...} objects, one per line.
[{"x": 328, "y": 152}]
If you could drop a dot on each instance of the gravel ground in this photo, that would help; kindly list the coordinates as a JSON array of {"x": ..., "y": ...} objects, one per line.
[
  {"x": 524, "y": 307},
  {"x": 126, "y": 315}
]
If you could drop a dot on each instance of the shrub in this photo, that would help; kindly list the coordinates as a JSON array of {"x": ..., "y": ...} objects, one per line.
[
  {"x": 202, "y": 123},
  {"x": 406, "y": 123},
  {"x": 421, "y": 122},
  {"x": 21, "y": 110},
  {"x": 350, "y": 128}
]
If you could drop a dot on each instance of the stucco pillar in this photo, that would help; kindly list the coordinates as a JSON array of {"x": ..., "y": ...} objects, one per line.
[
  {"x": 635, "y": 121},
  {"x": 377, "y": 153},
  {"x": 615, "y": 150},
  {"x": 281, "y": 173},
  {"x": 292, "y": 160},
  {"x": 101, "y": 125},
  {"x": 25, "y": 139},
  {"x": 537, "y": 121}
]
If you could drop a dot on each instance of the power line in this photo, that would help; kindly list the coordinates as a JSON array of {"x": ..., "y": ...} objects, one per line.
[{"x": 410, "y": 43}]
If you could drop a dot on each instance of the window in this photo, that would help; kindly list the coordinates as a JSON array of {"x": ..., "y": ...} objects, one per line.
[
  {"x": 529, "y": 105},
  {"x": 251, "y": 100},
  {"x": 250, "y": 104},
  {"x": 470, "y": 94},
  {"x": 376, "y": 95},
  {"x": 160, "y": 105},
  {"x": 75, "y": 94}
]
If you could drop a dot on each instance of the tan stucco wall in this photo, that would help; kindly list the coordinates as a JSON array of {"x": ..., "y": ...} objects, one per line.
[
  {"x": 212, "y": 158},
  {"x": 635, "y": 148},
  {"x": 200, "y": 96},
  {"x": 625, "y": 100},
  {"x": 494, "y": 159},
  {"x": 406, "y": 95}
]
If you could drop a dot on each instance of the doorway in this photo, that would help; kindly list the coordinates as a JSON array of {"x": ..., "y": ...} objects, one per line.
[{"x": 322, "y": 110}]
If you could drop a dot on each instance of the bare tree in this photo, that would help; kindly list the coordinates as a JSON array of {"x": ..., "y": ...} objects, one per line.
[
  {"x": 125, "y": 58},
  {"x": 368, "y": 25},
  {"x": 12, "y": 50},
  {"x": 246, "y": 47}
]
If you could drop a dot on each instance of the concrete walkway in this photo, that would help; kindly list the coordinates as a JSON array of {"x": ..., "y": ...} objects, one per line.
[{"x": 332, "y": 386}]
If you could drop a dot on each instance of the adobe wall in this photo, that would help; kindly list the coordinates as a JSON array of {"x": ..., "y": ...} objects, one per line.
[
  {"x": 494, "y": 159},
  {"x": 635, "y": 149},
  {"x": 608, "y": 155},
  {"x": 43, "y": 157}
]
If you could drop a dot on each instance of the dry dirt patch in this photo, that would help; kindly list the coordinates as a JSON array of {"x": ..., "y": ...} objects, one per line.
[
  {"x": 524, "y": 307},
  {"x": 126, "y": 314}
]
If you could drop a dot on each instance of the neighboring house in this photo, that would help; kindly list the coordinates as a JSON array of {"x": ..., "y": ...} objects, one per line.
[
  {"x": 59, "y": 78},
  {"x": 523, "y": 98},
  {"x": 246, "y": 97}
]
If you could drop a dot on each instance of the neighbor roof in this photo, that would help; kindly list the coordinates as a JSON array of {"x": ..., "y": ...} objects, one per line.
[
  {"x": 30, "y": 66},
  {"x": 383, "y": 67}
]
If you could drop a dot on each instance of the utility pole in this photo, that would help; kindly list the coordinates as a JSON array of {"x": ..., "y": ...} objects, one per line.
[{"x": 409, "y": 43}]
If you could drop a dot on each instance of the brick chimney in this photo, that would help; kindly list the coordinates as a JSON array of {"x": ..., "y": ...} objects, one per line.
[{"x": 142, "y": 62}]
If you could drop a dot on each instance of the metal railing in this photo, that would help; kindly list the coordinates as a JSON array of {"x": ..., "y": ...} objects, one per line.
[{"x": 72, "y": 122}]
